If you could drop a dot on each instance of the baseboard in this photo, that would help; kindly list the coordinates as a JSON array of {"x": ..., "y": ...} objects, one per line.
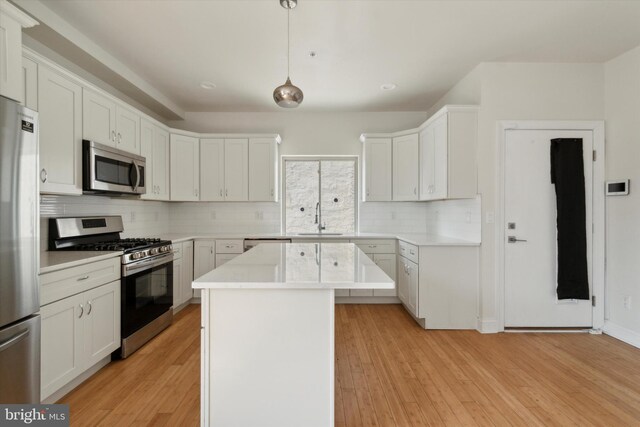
[
  {"x": 488, "y": 326},
  {"x": 67, "y": 388},
  {"x": 622, "y": 333},
  {"x": 367, "y": 300}
]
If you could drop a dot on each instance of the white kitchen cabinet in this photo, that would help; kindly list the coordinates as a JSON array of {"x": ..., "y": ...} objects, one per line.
[
  {"x": 77, "y": 332},
  {"x": 154, "y": 147},
  {"x": 224, "y": 258},
  {"x": 177, "y": 282},
  {"x": 12, "y": 20},
  {"x": 106, "y": 122},
  {"x": 212, "y": 169},
  {"x": 185, "y": 168},
  {"x": 186, "y": 292},
  {"x": 225, "y": 169},
  {"x": 377, "y": 170},
  {"x": 30, "y": 83},
  {"x": 60, "y": 114},
  {"x": 236, "y": 170},
  {"x": 408, "y": 288},
  {"x": 405, "y": 167},
  {"x": 382, "y": 253},
  {"x": 387, "y": 262},
  {"x": 448, "y": 147},
  {"x": 263, "y": 168},
  {"x": 204, "y": 259}
]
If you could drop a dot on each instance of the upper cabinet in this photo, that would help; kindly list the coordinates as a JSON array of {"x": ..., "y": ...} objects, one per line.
[
  {"x": 60, "y": 113},
  {"x": 212, "y": 169},
  {"x": 30, "y": 83},
  {"x": 12, "y": 20},
  {"x": 377, "y": 170},
  {"x": 448, "y": 149},
  {"x": 154, "y": 146},
  {"x": 405, "y": 167},
  {"x": 185, "y": 168},
  {"x": 436, "y": 161},
  {"x": 107, "y": 122},
  {"x": 263, "y": 169},
  {"x": 236, "y": 170}
]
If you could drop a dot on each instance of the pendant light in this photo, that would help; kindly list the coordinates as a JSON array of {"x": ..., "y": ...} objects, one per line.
[{"x": 288, "y": 95}]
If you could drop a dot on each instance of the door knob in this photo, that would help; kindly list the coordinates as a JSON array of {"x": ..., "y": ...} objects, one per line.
[{"x": 513, "y": 239}]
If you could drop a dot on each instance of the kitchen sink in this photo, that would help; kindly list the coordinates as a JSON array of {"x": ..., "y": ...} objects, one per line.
[{"x": 319, "y": 234}]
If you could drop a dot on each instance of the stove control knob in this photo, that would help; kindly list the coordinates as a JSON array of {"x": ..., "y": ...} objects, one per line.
[
  {"x": 136, "y": 255},
  {"x": 154, "y": 251}
]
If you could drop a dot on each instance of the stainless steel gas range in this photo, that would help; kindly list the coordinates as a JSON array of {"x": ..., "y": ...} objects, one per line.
[{"x": 146, "y": 276}]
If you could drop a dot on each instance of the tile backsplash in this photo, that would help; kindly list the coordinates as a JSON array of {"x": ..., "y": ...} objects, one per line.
[{"x": 143, "y": 218}]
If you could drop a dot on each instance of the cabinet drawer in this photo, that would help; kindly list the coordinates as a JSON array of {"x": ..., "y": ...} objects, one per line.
[
  {"x": 408, "y": 251},
  {"x": 229, "y": 246},
  {"x": 61, "y": 284},
  {"x": 177, "y": 250},
  {"x": 376, "y": 246}
]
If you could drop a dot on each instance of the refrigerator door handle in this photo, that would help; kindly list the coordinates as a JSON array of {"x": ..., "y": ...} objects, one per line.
[{"x": 14, "y": 340}]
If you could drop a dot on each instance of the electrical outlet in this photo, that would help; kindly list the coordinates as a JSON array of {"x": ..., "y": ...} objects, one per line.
[
  {"x": 259, "y": 215},
  {"x": 627, "y": 302},
  {"x": 468, "y": 216},
  {"x": 133, "y": 217},
  {"x": 213, "y": 214}
]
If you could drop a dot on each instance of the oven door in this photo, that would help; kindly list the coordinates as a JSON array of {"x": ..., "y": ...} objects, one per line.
[
  {"x": 106, "y": 169},
  {"x": 147, "y": 292}
]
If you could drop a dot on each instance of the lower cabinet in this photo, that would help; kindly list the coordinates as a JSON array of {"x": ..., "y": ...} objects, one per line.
[
  {"x": 204, "y": 259},
  {"x": 182, "y": 273},
  {"x": 383, "y": 254},
  {"x": 407, "y": 282},
  {"x": 223, "y": 258},
  {"x": 77, "y": 332}
]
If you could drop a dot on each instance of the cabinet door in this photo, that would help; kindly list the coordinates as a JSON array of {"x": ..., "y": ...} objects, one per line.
[
  {"x": 177, "y": 282},
  {"x": 127, "y": 130},
  {"x": 60, "y": 113},
  {"x": 185, "y": 168},
  {"x": 204, "y": 259},
  {"x": 98, "y": 118},
  {"x": 427, "y": 163},
  {"x": 262, "y": 169},
  {"x": 402, "y": 280},
  {"x": 161, "y": 163},
  {"x": 236, "y": 170},
  {"x": 10, "y": 57},
  {"x": 224, "y": 258},
  {"x": 377, "y": 170},
  {"x": 187, "y": 271},
  {"x": 412, "y": 287},
  {"x": 212, "y": 167},
  {"x": 387, "y": 262},
  {"x": 101, "y": 322},
  {"x": 62, "y": 346},
  {"x": 440, "y": 158},
  {"x": 405, "y": 168},
  {"x": 30, "y": 83}
]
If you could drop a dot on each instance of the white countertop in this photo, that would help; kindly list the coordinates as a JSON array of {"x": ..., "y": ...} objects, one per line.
[
  {"x": 298, "y": 266},
  {"x": 418, "y": 239},
  {"x": 59, "y": 260}
]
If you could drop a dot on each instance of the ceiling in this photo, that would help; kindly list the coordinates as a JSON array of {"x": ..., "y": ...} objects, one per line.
[{"x": 422, "y": 46}]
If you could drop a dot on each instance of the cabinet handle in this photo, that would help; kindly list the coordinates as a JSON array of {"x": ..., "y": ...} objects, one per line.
[
  {"x": 415, "y": 190},
  {"x": 211, "y": 250},
  {"x": 221, "y": 192},
  {"x": 411, "y": 252},
  {"x": 272, "y": 192},
  {"x": 226, "y": 192},
  {"x": 81, "y": 311},
  {"x": 119, "y": 138},
  {"x": 228, "y": 246},
  {"x": 90, "y": 307},
  {"x": 113, "y": 135},
  {"x": 80, "y": 279},
  {"x": 43, "y": 175}
]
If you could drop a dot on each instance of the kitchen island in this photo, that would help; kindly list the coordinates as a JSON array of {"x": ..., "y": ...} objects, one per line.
[{"x": 268, "y": 332}]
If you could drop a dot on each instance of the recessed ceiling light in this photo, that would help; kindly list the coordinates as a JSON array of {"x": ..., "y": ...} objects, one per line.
[
  {"x": 388, "y": 86},
  {"x": 207, "y": 85}
]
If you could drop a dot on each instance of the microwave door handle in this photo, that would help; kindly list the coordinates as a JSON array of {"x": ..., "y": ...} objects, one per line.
[{"x": 137, "y": 169}]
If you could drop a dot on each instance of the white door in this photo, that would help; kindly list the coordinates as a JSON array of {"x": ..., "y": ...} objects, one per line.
[
  {"x": 236, "y": 170},
  {"x": 102, "y": 321},
  {"x": 128, "y": 130},
  {"x": 161, "y": 163},
  {"x": 212, "y": 167},
  {"x": 204, "y": 259},
  {"x": 98, "y": 118},
  {"x": 377, "y": 170},
  {"x": 530, "y": 207},
  {"x": 262, "y": 174},
  {"x": 177, "y": 282},
  {"x": 187, "y": 272},
  {"x": 405, "y": 167},
  {"x": 185, "y": 168}
]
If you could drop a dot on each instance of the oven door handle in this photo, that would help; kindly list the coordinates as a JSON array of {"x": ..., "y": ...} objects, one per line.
[{"x": 136, "y": 267}]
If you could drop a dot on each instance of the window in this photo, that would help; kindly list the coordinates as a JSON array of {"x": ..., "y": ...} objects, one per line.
[{"x": 320, "y": 195}]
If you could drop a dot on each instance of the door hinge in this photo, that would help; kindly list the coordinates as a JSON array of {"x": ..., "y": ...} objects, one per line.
[
  {"x": 594, "y": 155},
  {"x": 593, "y": 300}
]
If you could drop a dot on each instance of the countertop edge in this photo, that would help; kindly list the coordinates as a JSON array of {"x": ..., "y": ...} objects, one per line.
[{"x": 77, "y": 262}]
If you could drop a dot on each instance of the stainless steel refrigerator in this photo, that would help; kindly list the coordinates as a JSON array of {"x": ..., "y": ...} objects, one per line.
[{"x": 19, "y": 255}]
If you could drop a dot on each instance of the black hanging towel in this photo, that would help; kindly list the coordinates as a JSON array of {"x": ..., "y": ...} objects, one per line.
[{"x": 567, "y": 173}]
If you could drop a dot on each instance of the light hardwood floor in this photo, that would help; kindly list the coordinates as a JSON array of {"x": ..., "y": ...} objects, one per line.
[{"x": 390, "y": 372}]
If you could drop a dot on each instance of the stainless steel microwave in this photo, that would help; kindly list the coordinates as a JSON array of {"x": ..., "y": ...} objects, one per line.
[{"x": 111, "y": 171}]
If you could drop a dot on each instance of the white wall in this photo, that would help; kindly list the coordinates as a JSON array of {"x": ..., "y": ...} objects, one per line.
[
  {"x": 519, "y": 91},
  {"x": 622, "y": 112}
]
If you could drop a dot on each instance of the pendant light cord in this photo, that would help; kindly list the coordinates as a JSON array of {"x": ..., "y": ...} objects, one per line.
[{"x": 288, "y": 44}]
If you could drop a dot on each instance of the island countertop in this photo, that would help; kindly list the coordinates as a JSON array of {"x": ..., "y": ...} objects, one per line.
[{"x": 298, "y": 266}]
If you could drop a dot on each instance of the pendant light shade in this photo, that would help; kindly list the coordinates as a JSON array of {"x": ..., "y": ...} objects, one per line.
[{"x": 288, "y": 95}]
